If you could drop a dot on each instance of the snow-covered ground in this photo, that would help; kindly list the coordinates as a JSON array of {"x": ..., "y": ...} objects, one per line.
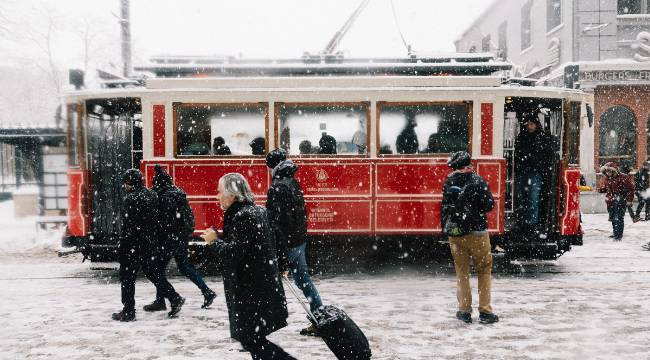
[{"x": 590, "y": 304}]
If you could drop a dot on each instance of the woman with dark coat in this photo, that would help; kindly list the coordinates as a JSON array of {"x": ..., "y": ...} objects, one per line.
[{"x": 251, "y": 280}]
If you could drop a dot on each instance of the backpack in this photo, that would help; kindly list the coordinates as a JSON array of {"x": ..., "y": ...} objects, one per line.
[{"x": 456, "y": 216}]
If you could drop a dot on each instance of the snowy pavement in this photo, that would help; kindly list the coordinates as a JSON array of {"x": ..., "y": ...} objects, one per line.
[{"x": 590, "y": 304}]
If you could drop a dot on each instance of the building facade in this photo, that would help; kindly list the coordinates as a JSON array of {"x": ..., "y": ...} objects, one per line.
[{"x": 602, "y": 46}]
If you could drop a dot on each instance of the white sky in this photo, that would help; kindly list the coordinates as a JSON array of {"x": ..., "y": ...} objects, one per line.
[{"x": 252, "y": 28}]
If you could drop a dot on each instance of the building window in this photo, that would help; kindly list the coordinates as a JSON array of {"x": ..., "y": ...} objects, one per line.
[
  {"x": 485, "y": 44},
  {"x": 526, "y": 26},
  {"x": 553, "y": 14},
  {"x": 424, "y": 128},
  {"x": 631, "y": 6},
  {"x": 325, "y": 129},
  {"x": 220, "y": 129},
  {"x": 647, "y": 132},
  {"x": 618, "y": 136},
  {"x": 503, "y": 40}
]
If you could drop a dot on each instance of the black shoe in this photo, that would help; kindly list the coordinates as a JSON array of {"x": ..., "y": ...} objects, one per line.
[
  {"x": 618, "y": 238},
  {"x": 208, "y": 298},
  {"x": 176, "y": 306},
  {"x": 464, "y": 317},
  {"x": 124, "y": 316},
  {"x": 157, "y": 305},
  {"x": 487, "y": 318},
  {"x": 611, "y": 236},
  {"x": 309, "y": 331},
  {"x": 646, "y": 246}
]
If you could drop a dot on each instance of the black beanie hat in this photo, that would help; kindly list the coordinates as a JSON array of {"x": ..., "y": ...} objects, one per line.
[
  {"x": 275, "y": 157},
  {"x": 459, "y": 160}
]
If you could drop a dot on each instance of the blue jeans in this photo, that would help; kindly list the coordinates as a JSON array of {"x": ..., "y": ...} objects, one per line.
[
  {"x": 182, "y": 259},
  {"x": 528, "y": 188},
  {"x": 617, "y": 216},
  {"x": 300, "y": 272}
]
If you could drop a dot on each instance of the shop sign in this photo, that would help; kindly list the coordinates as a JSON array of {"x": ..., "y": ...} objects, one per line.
[{"x": 615, "y": 75}]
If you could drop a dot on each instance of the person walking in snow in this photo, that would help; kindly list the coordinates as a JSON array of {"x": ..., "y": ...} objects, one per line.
[
  {"x": 252, "y": 284},
  {"x": 466, "y": 198},
  {"x": 619, "y": 191},
  {"x": 177, "y": 225},
  {"x": 641, "y": 185},
  {"x": 285, "y": 206},
  {"x": 139, "y": 247}
]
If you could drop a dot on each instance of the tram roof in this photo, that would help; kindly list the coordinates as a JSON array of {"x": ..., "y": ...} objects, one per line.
[{"x": 470, "y": 64}]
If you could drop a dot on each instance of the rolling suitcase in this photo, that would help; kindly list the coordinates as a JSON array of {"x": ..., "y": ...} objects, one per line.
[{"x": 336, "y": 328}]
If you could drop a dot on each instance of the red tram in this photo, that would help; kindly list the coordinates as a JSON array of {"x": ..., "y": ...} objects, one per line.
[{"x": 200, "y": 121}]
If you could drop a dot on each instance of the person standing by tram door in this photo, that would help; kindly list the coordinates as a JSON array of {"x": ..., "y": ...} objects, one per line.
[
  {"x": 139, "y": 246},
  {"x": 534, "y": 159},
  {"x": 619, "y": 194},
  {"x": 466, "y": 198},
  {"x": 285, "y": 207},
  {"x": 177, "y": 223},
  {"x": 252, "y": 285},
  {"x": 641, "y": 185}
]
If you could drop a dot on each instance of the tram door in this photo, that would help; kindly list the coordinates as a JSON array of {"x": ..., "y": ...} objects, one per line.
[
  {"x": 114, "y": 137},
  {"x": 550, "y": 114}
]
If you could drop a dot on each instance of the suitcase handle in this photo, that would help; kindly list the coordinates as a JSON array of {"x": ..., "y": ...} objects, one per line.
[{"x": 310, "y": 315}]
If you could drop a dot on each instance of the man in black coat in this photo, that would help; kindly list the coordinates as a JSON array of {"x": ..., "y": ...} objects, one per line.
[
  {"x": 641, "y": 185},
  {"x": 177, "y": 226},
  {"x": 139, "y": 247},
  {"x": 466, "y": 198},
  {"x": 252, "y": 285},
  {"x": 534, "y": 161},
  {"x": 285, "y": 206},
  {"x": 407, "y": 140}
]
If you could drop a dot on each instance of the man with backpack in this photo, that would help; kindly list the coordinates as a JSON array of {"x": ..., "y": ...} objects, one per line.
[
  {"x": 177, "y": 223},
  {"x": 465, "y": 201}
]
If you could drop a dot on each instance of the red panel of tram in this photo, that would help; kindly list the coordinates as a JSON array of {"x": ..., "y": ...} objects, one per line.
[
  {"x": 571, "y": 207},
  {"x": 339, "y": 216},
  {"x": 401, "y": 177},
  {"x": 77, "y": 217},
  {"x": 404, "y": 216},
  {"x": 200, "y": 179}
]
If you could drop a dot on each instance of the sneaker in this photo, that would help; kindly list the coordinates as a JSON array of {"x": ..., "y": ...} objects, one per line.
[
  {"x": 464, "y": 317},
  {"x": 157, "y": 305},
  {"x": 124, "y": 316},
  {"x": 176, "y": 306},
  {"x": 309, "y": 331},
  {"x": 487, "y": 318},
  {"x": 208, "y": 298},
  {"x": 646, "y": 246},
  {"x": 618, "y": 238},
  {"x": 636, "y": 219},
  {"x": 611, "y": 236}
]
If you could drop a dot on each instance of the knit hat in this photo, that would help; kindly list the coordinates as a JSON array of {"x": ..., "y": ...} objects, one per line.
[
  {"x": 275, "y": 157},
  {"x": 610, "y": 166},
  {"x": 459, "y": 160}
]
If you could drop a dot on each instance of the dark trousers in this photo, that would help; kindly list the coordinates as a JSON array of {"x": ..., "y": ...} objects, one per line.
[
  {"x": 153, "y": 271},
  {"x": 262, "y": 349},
  {"x": 643, "y": 202},
  {"x": 182, "y": 259},
  {"x": 617, "y": 217}
]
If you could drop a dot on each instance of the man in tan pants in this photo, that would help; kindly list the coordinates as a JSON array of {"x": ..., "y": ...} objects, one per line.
[{"x": 466, "y": 200}]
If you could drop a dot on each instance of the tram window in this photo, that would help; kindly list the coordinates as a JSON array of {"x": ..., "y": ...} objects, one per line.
[
  {"x": 216, "y": 129},
  {"x": 323, "y": 129},
  {"x": 572, "y": 135},
  {"x": 424, "y": 128},
  {"x": 72, "y": 132}
]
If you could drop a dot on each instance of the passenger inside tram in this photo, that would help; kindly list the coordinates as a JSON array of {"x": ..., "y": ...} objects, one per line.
[
  {"x": 305, "y": 147},
  {"x": 327, "y": 144},
  {"x": 407, "y": 140},
  {"x": 219, "y": 147},
  {"x": 359, "y": 137},
  {"x": 258, "y": 146},
  {"x": 433, "y": 145}
]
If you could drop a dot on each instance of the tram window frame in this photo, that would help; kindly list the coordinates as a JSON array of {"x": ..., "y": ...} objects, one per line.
[
  {"x": 571, "y": 146},
  {"x": 363, "y": 104},
  {"x": 470, "y": 125},
  {"x": 264, "y": 106}
]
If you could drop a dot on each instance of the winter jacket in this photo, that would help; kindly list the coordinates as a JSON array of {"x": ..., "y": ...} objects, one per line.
[
  {"x": 176, "y": 217},
  {"x": 140, "y": 222},
  {"x": 251, "y": 281},
  {"x": 641, "y": 180},
  {"x": 407, "y": 141},
  {"x": 470, "y": 205},
  {"x": 619, "y": 190},
  {"x": 534, "y": 153}
]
